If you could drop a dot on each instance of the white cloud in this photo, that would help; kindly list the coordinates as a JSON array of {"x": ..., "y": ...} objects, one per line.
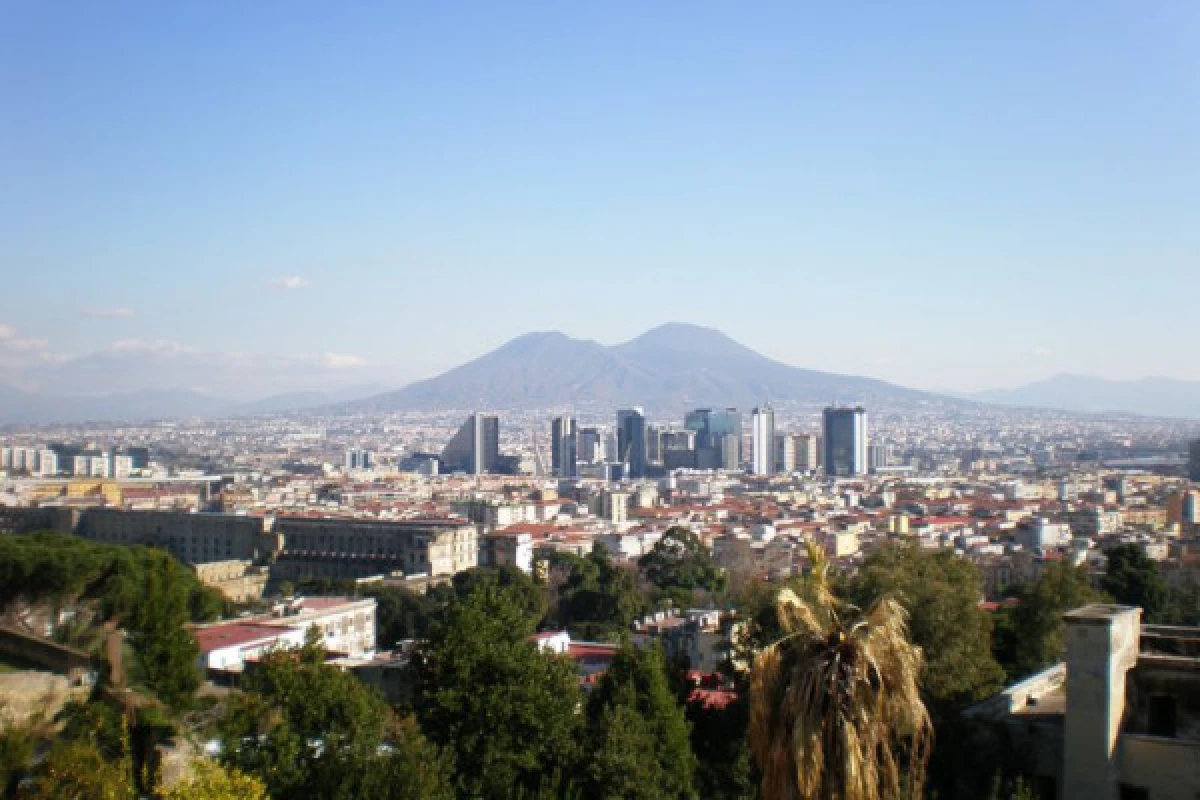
[
  {"x": 156, "y": 347},
  {"x": 107, "y": 313},
  {"x": 291, "y": 282},
  {"x": 340, "y": 361},
  {"x": 1042, "y": 351}
]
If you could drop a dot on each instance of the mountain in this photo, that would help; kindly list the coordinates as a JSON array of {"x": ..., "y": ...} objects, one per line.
[
  {"x": 1154, "y": 397},
  {"x": 19, "y": 407},
  {"x": 29, "y": 408},
  {"x": 669, "y": 368}
]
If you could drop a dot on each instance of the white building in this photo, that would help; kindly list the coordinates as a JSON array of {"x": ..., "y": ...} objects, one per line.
[
  {"x": 346, "y": 626},
  {"x": 762, "y": 440}
]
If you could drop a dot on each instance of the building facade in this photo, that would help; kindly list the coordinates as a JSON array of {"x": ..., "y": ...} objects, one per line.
[
  {"x": 762, "y": 440},
  {"x": 845, "y": 433}
]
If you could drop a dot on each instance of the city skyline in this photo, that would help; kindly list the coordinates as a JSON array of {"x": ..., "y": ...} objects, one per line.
[{"x": 285, "y": 201}]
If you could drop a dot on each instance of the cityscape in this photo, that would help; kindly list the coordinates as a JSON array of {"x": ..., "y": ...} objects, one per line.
[{"x": 620, "y": 401}]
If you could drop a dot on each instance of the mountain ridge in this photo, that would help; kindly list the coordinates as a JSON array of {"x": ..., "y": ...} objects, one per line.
[{"x": 670, "y": 367}]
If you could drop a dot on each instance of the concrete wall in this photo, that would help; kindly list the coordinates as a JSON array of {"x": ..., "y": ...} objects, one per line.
[{"x": 1168, "y": 768}]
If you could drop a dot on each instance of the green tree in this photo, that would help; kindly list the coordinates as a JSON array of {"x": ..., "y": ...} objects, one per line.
[
  {"x": 1133, "y": 579},
  {"x": 530, "y": 594},
  {"x": 1039, "y": 630},
  {"x": 210, "y": 781},
  {"x": 311, "y": 731},
  {"x": 637, "y": 739},
  {"x": 506, "y": 711},
  {"x": 164, "y": 648},
  {"x": 941, "y": 593},
  {"x": 77, "y": 770},
  {"x": 724, "y": 766},
  {"x": 679, "y": 560},
  {"x": 599, "y": 599}
]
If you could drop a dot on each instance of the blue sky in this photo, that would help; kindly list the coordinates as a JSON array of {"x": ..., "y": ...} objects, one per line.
[{"x": 947, "y": 195}]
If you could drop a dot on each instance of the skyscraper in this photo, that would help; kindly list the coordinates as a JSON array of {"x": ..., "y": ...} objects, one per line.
[
  {"x": 564, "y": 442},
  {"x": 845, "y": 442},
  {"x": 631, "y": 440},
  {"x": 762, "y": 440},
  {"x": 1194, "y": 460},
  {"x": 718, "y": 437},
  {"x": 476, "y": 446},
  {"x": 785, "y": 453}
]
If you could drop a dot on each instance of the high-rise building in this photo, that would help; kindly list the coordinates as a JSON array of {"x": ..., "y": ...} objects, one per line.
[
  {"x": 718, "y": 437},
  {"x": 1194, "y": 460},
  {"x": 879, "y": 456},
  {"x": 785, "y": 453},
  {"x": 845, "y": 442},
  {"x": 357, "y": 458},
  {"x": 590, "y": 446},
  {"x": 564, "y": 444},
  {"x": 476, "y": 446},
  {"x": 631, "y": 440},
  {"x": 48, "y": 463},
  {"x": 762, "y": 440},
  {"x": 807, "y": 452}
]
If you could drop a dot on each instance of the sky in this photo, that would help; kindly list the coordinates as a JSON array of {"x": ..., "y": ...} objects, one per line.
[{"x": 248, "y": 198}]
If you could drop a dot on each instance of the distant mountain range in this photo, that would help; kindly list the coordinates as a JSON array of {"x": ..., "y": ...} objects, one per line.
[
  {"x": 30, "y": 408},
  {"x": 667, "y": 369},
  {"x": 1153, "y": 397}
]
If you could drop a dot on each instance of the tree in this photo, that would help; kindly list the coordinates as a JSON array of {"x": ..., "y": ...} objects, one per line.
[
  {"x": 210, "y": 781},
  {"x": 1133, "y": 579},
  {"x": 163, "y": 646},
  {"x": 836, "y": 707},
  {"x": 679, "y": 560},
  {"x": 522, "y": 587},
  {"x": 309, "y": 730},
  {"x": 485, "y": 692},
  {"x": 941, "y": 593},
  {"x": 637, "y": 743},
  {"x": 77, "y": 770},
  {"x": 1038, "y": 626},
  {"x": 599, "y": 599}
]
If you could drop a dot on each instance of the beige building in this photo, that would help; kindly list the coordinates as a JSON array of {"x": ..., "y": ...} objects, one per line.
[
  {"x": 1120, "y": 719},
  {"x": 354, "y": 548},
  {"x": 239, "y": 581}
]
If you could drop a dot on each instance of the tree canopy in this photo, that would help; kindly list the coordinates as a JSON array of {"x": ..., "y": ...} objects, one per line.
[
  {"x": 312, "y": 731},
  {"x": 941, "y": 594},
  {"x": 1133, "y": 579},
  {"x": 680, "y": 561},
  {"x": 505, "y": 710},
  {"x": 1038, "y": 629},
  {"x": 599, "y": 599},
  {"x": 637, "y": 743}
]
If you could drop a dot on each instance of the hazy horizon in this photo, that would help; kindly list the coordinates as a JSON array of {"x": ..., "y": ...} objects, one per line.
[{"x": 251, "y": 200}]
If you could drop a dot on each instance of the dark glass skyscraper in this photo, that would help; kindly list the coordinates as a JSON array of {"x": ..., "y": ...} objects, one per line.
[
  {"x": 718, "y": 437},
  {"x": 631, "y": 440},
  {"x": 845, "y": 442},
  {"x": 564, "y": 444}
]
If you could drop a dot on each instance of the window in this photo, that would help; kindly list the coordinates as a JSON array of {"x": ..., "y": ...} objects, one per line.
[{"x": 1162, "y": 714}]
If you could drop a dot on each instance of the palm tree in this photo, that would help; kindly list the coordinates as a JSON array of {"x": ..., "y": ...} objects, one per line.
[{"x": 836, "y": 711}]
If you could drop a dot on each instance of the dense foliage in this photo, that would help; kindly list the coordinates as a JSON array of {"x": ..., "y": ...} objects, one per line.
[
  {"x": 505, "y": 710},
  {"x": 941, "y": 593},
  {"x": 311, "y": 731},
  {"x": 1132, "y": 579},
  {"x": 680, "y": 565},
  {"x": 599, "y": 599},
  {"x": 637, "y": 744}
]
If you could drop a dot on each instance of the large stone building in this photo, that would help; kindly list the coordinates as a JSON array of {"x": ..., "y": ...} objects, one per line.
[
  {"x": 1120, "y": 719},
  {"x": 356, "y": 548},
  {"x": 192, "y": 538}
]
